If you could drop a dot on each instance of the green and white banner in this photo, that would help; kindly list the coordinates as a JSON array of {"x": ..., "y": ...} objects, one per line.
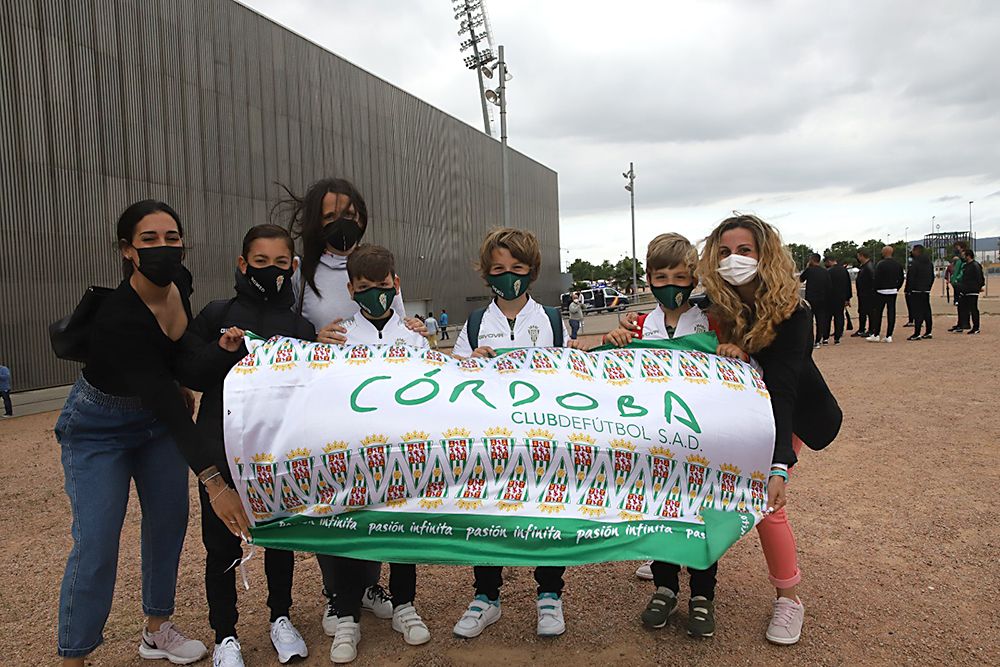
[{"x": 540, "y": 456}]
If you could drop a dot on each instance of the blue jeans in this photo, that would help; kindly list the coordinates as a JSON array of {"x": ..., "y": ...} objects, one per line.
[
  {"x": 107, "y": 441},
  {"x": 574, "y": 328}
]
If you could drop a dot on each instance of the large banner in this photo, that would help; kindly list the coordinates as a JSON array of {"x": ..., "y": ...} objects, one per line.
[{"x": 540, "y": 456}]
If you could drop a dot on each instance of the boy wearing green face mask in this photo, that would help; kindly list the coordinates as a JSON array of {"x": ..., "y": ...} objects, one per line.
[{"x": 373, "y": 285}]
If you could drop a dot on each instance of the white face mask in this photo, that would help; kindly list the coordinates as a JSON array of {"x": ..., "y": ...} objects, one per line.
[{"x": 738, "y": 269}]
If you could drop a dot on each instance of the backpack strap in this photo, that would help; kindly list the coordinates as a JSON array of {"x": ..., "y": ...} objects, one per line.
[
  {"x": 472, "y": 326},
  {"x": 555, "y": 319}
]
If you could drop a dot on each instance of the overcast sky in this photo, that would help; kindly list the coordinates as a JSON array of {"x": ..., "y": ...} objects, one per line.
[{"x": 838, "y": 120}]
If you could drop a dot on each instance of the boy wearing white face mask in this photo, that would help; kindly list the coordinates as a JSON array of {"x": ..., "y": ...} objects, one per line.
[{"x": 670, "y": 272}]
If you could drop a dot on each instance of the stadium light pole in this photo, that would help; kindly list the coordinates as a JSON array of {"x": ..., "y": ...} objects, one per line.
[
  {"x": 499, "y": 98},
  {"x": 470, "y": 16},
  {"x": 630, "y": 177}
]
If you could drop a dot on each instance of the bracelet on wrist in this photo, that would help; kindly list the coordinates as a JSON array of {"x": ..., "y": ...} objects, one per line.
[
  {"x": 780, "y": 473},
  {"x": 208, "y": 479}
]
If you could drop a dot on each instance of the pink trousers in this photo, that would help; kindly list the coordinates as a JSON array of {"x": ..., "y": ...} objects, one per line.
[{"x": 778, "y": 543}]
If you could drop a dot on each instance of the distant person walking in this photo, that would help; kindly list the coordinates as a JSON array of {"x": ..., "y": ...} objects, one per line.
[
  {"x": 841, "y": 295},
  {"x": 575, "y": 315},
  {"x": 919, "y": 280},
  {"x": 443, "y": 324},
  {"x": 865, "y": 284},
  {"x": 819, "y": 294},
  {"x": 973, "y": 281},
  {"x": 8, "y": 411},
  {"x": 888, "y": 280},
  {"x": 957, "y": 268},
  {"x": 432, "y": 330}
]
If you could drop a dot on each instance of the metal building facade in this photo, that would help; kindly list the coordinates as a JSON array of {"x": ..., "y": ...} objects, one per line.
[{"x": 206, "y": 104}]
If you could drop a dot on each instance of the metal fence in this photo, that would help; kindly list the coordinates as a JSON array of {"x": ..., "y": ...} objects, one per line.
[{"x": 206, "y": 104}]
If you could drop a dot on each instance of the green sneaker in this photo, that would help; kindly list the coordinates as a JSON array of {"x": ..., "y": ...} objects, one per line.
[
  {"x": 701, "y": 617},
  {"x": 660, "y": 607}
]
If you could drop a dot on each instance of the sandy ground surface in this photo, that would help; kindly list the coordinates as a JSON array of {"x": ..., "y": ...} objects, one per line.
[{"x": 897, "y": 531}]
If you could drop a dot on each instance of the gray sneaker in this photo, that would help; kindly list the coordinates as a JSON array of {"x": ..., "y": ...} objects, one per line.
[
  {"x": 660, "y": 607},
  {"x": 169, "y": 643},
  {"x": 786, "y": 622}
]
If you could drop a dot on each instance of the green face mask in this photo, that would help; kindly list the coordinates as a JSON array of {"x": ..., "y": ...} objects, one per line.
[
  {"x": 375, "y": 301},
  {"x": 672, "y": 296},
  {"x": 508, "y": 286}
]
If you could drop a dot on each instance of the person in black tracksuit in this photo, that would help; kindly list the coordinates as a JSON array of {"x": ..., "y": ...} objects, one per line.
[
  {"x": 919, "y": 280},
  {"x": 865, "y": 287},
  {"x": 888, "y": 280},
  {"x": 970, "y": 286},
  {"x": 819, "y": 294},
  {"x": 841, "y": 295},
  {"x": 262, "y": 305}
]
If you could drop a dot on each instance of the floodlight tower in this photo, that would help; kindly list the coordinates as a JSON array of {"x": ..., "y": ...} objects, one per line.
[{"x": 474, "y": 21}]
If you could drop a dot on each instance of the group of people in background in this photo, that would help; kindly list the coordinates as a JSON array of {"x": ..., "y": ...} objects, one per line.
[
  {"x": 828, "y": 291},
  {"x": 131, "y": 415}
]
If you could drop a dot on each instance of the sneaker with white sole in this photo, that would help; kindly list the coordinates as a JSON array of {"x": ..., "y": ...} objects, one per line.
[
  {"x": 345, "y": 642},
  {"x": 661, "y": 606},
  {"x": 887, "y": 339},
  {"x": 874, "y": 338},
  {"x": 329, "y": 620},
  {"x": 786, "y": 622},
  {"x": 645, "y": 571},
  {"x": 550, "y": 616},
  {"x": 228, "y": 654},
  {"x": 169, "y": 643},
  {"x": 287, "y": 641},
  {"x": 481, "y": 614},
  {"x": 377, "y": 601},
  {"x": 406, "y": 620}
]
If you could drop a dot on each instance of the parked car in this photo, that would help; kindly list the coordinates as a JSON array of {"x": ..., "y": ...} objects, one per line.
[{"x": 595, "y": 300}]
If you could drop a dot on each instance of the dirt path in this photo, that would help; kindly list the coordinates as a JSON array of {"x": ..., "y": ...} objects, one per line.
[{"x": 896, "y": 527}]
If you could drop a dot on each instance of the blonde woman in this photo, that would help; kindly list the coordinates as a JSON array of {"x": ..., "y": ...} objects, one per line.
[{"x": 749, "y": 278}]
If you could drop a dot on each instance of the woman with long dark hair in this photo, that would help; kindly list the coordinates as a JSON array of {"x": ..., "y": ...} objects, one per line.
[
  {"x": 749, "y": 277},
  {"x": 126, "y": 419}
]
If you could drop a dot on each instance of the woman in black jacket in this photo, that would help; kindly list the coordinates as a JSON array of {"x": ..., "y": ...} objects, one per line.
[
  {"x": 263, "y": 305},
  {"x": 749, "y": 277},
  {"x": 126, "y": 419}
]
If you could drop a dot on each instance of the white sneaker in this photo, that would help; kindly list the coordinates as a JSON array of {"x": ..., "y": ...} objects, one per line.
[
  {"x": 874, "y": 338},
  {"x": 287, "y": 640},
  {"x": 786, "y": 622},
  {"x": 169, "y": 643},
  {"x": 480, "y": 615},
  {"x": 345, "y": 642},
  {"x": 377, "y": 601},
  {"x": 645, "y": 571},
  {"x": 228, "y": 654},
  {"x": 329, "y": 620},
  {"x": 550, "y": 616},
  {"x": 406, "y": 620},
  {"x": 888, "y": 339}
]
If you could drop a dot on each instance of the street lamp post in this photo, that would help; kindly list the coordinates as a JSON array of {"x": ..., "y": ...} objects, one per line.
[{"x": 630, "y": 175}]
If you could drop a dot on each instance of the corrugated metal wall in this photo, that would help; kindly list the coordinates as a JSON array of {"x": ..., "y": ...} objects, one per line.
[{"x": 206, "y": 104}]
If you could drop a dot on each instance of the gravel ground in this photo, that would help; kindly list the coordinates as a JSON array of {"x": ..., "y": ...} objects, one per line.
[{"x": 899, "y": 555}]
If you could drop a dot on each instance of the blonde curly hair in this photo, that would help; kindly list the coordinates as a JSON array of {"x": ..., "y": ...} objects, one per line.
[{"x": 777, "y": 293}]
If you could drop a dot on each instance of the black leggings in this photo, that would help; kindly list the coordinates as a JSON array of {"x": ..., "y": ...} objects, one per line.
[
  {"x": 328, "y": 567},
  {"x": 222, "y": 550},
  {"x": 702, "y": 581},
  {"x": 489, "y": 579},
  {"x": 351, "y": 577}
]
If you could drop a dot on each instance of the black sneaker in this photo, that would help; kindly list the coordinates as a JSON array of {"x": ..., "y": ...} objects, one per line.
[
  {"x": 701, "y": 617},
  {"x": 660, "y": 607},
  {"x": 908, "y": 324},
  {"x": 826, "y": 341},
  {"x": 927, "y": 336},
  {"x": 956, "y": 329},
  {"x": 859, "y": 334},
  {"x": 914, "y": 337},
  {"x": 973, "y": 331},
  {"x": 836, "y": 341}
]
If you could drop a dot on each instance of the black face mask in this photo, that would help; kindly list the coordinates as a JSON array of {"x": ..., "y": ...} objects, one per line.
[
  {"x": 270, "y": 281},
  {"x": 160, "y": 264},
  {"x": 343, "y": 234}
]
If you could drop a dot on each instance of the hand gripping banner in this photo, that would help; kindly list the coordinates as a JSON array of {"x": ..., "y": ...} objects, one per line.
[{"x": 539, "y": 456}]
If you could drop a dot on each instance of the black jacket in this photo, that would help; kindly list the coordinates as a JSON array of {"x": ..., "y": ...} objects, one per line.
[
  {"x": 819, "y": 289},
  {"x": 206, "y": 369},
  {"x": 865, "y": 282},
  {"x": 841, "y": 280},
  {"x": 972, "y": 278},
  {"x": 888, "y": 274},
  {"x": 801, "y": 401},
  {"x": 920, "y": 274}
]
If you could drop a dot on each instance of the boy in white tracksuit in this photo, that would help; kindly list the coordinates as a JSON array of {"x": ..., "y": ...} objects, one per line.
[{"x": 509, "y": 261}]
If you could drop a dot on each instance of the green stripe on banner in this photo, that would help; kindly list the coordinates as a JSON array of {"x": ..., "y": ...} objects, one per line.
[
  {"x": 699, "y": 342},
  {"x": 459, "y": 539}
]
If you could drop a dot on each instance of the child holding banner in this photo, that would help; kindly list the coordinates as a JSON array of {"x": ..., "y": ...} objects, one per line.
[
  {"x": 374, "y": 286},
  {"x": 670, "y": 273},
  {"x": 262, "y": 305},
  {"x": 750, "y": 278},
  {"x": 509, "y": 260}
]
